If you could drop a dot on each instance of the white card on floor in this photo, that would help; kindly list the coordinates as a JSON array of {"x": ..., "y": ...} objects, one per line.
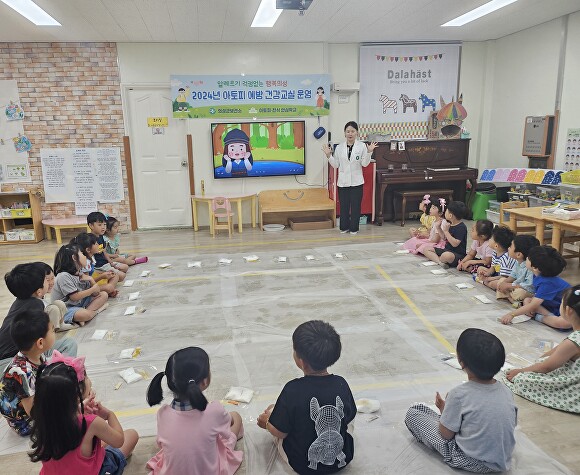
[
  {"x": 145, "y": 273},
  {"x": 309, "y": 258},
  {"x": 339, "y": 255},
  {"x": 282, "y": 259},
  {"x": 130, "y": 310},
  {"x": 225, "y": 261},
  {"x": 464, "y": 286},
  {"x": 439, "y": 271},
  {"x": 128, "y": 283},
  {"x": 99, "y": 334},
  {"x": 164, "y": 266},
  {"x": 251, "y": 258},
  {"x": 453, "y": 362},
  {"x": 127, "y": 353},
  {"x": 399, "y": 243},
  {"x": 402, "y": 251},
  {"x": 517, "y": 319},
  {"x": 134, "y": 295},
  {"x": 482, "y": 298},
  {"x": 194, "y": 264},
  {"x": 428, "y": 263}
]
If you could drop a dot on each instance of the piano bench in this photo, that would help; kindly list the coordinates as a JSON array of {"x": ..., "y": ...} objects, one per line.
[{"x": 448, "y": 194}]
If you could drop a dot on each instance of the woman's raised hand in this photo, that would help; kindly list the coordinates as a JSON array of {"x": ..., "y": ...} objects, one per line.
[
  {"x": 327, "y": 150},
  {"x": 372, "y": 146}
]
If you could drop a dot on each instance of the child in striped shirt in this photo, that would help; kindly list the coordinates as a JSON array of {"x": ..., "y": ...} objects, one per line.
[{"x": 501, "y": 262}]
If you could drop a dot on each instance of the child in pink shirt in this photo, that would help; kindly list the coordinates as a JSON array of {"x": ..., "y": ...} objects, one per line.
[
  {"x": 195, "y": 437},
  {"x": 480, "y": 253}
]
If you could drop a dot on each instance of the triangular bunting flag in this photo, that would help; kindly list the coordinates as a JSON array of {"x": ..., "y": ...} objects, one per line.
[{"x": 440, "y": 56}]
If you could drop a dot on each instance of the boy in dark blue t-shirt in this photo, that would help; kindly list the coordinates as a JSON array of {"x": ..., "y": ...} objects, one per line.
[
  {"x": 454, "y": 232},
  {"x": 97, "y": 222}
]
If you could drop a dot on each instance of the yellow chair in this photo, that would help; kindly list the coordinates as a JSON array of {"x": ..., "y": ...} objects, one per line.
[{"x": 221, "y": 210}]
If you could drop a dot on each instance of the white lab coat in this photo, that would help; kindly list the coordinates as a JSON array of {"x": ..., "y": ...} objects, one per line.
[{"x": 350, "y": 171}]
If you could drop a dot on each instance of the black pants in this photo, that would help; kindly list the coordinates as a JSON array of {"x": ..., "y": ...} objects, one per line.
[{"x": 350, "y": 198}]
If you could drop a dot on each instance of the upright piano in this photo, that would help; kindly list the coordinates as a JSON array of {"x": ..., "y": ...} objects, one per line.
[{"x": 431, "y": 164}]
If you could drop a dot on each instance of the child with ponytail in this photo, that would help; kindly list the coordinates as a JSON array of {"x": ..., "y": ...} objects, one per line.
[{"x": 196, "y": 437}]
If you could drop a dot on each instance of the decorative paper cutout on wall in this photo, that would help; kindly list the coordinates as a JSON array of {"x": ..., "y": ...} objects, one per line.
[
  {"x": 22, "y": 143},
  {"x": 14, "y": 112}
]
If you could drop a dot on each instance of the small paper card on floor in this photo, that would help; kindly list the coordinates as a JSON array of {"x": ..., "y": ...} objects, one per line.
[
  {"x": 482, "y": 298},
  {"x": 453, "y": 362},
  {"x": 339, "y": 255},
  {"x": 99, "y": 334},
  {"x": 194, "y": 264},
  {"x": 127, "y": 353},
  {"x": 225, "y": 261},
  {"x": 130, "y": 310},
  {"x": 237, "y": 393},
  {"x": 439, "y": 271},
  {"x": 309, "y": 258},
  {"x": 517, "y": 319},
  {"x": 130, "y": 376},
  {"x": 128, "y": 283},
  {"x": 367, "y": 406},
  {"x": 402, "y": 251},
  {"x": 428, "y": 263},
  {"x": 463, "y": 286},
  {"x": 399, "y": 243},
  {"x": 134, "y": 295},
  {"x": 145, "y": 273},
  {"x": 164, "y": 266},
  {"x": 251, "y": 258},
  {"x": 282, "y": 259}
]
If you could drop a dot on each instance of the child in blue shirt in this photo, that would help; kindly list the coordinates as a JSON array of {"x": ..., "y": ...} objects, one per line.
[
  {"x": 546, "y": 263},
  {"x": 519, "y": 285}
]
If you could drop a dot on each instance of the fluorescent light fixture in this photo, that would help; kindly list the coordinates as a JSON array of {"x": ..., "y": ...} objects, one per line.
[
  {"x": 266, "y": 15},
  {"x": 32, "y": 12},
  {"x": 478, "y": 12}
]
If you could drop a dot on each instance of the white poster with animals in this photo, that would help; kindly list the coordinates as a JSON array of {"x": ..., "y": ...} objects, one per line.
[{"x": 402, "y": 84}]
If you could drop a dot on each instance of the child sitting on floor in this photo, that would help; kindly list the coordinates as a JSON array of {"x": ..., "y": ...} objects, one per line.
[
  {"x": 454, "y": 231},
  {"x": 97, "y": 223},
  {"x": 480, "y": 253},
  {"x": 519, "y": 285},
  {"x": 435, "y": 209},
  {"x": 546, "y": 264},
  {"x": 426, "y": 220},
  {"x": 195, "y": 436},
  {"x": 475, "y": 431},
  {"x": 112, "y": 239},
  {"x": 311, "y": 416},
  {"x": 554, "y": 381},
  {"x": 501, "y": 262},
  {"x": 65, "y": 437}
]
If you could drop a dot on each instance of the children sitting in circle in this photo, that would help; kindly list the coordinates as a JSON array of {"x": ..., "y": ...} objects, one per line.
[
  {"x": 112, "y": 239},
  {"x": 475, "y": 431},
  {"x": 546, "y": 263},
  {"x": 430, "y": 234},
  {"x": 69, "y": 425},
  {"x": 554, "y": 381},
  {"x": 480, "y": 253},
  {"x": 501, "y": 262},
  {"x": 195, "y": 436},
  {"x": 454, "y": 231}
]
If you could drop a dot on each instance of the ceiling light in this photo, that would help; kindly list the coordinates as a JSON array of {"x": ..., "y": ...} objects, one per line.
[
  {"x": 478, "y": 12},
  {"x": 31, "y": 11},
  {"x": 266, "y": 15}
]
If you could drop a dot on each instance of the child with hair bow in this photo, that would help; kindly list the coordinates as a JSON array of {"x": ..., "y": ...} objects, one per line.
[
  {"x": 434, "y": 211},
  {"x": 426, "y": 220}
]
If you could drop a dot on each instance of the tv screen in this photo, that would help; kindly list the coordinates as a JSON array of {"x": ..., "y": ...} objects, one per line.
[{"x": 254, "y": 149}]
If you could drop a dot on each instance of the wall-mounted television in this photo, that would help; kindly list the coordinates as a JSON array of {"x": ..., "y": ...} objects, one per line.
[{"x": 258, "y": 149}]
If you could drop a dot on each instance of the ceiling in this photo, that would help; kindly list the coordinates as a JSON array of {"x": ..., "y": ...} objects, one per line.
[{"x": 331, "y": 21}]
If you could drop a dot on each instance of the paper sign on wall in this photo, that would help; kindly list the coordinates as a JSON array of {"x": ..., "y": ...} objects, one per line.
[{"x": 157, "y": 121}]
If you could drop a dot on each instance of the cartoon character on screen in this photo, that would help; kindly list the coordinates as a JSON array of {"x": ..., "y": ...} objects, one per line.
[
  {"x": 181, "y": 99},
  {"x": 237, "y": 158},
  {"x": 320, "y": 97}
]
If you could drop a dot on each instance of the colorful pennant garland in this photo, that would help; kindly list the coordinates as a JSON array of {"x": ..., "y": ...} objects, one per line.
[{"x": 405, "y": 59}]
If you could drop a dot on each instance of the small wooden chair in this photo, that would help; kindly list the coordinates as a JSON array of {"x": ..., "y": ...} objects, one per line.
[{"x": 221, "y": 209}]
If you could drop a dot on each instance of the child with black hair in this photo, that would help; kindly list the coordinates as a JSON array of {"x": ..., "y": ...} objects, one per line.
[
  {"x": 195, "y": 436},
  {"x": 311, "y": 417},
  {"x": 480, "y": 253},
  {"x": 475, "y": 431},
  {"x": 426, "y": 219},
  {"x": 519, "y": 285},
  {"x": 546, "y": 263},
  {"x": 55, "y": 308},
  {"x": 29, "y": 283},
  {"x": 65, "y": 437},
  {"x": 83, "y": 300},
  {"x": 554, "y": 381},
  {"x": 454, "y": 231},
  {"x": 33, "y": 334},
  {"x": 501, "y": 262},
  {"x": 97, "y": 223},
  {"x": 435, "y": 209},
  {"x": 112, "y": 239}
]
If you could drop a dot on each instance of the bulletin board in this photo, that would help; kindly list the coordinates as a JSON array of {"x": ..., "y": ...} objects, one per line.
[
  {"x": 85, "y": 176},
  {"x": 14, "y": 145}
]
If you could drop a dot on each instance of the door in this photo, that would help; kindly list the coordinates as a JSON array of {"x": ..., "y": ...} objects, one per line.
[{"x": 160, "y": 167}]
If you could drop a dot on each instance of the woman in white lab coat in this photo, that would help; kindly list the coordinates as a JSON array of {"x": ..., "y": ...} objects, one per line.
[{"x": 349, "y": 157}]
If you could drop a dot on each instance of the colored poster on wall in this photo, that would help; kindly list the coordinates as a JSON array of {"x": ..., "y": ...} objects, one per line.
[
  {"x": 249, "y": 97},
  {"x": 572, "y": 157},
  {"x": 402, "y": 84}
]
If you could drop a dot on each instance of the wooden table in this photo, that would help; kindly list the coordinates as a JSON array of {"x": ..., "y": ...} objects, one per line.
[
  {"x": 535, "y": 216},
  {"x": 233, "y": 197},
  {"x": 64, "y": 223}
]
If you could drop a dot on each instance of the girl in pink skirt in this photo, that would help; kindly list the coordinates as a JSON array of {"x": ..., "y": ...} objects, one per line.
[{"x": 435, "y": 208}]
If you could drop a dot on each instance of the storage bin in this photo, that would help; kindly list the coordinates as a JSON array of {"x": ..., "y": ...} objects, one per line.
[
  {"x": 570, "y": 192},
  {"x": 21, "y": 213},
  {"x": 481, "y": 203},
  {"x": 551, "y": 193},
  {"x": 1, "y": 236},
  {"x": 572, "y": 177},
  {"x": 513, "y": 196},
  {"x": 525, "y": 188},
  {"x": 534, "y": 201},
  {"x": 493, "y": 216},
  {"x": 494, "y": 205},
  {"x": 27, "y": 234},
  {"x": 5, "y": 213},
  {"x": 13, "y": 235}
]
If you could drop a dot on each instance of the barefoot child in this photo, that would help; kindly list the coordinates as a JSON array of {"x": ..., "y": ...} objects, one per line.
[
  {"x": 454, "y": 231},
  {"x": 480, "y": 253},
  {"x": 501, "y": 262},
  {"x": 112, "y": 238},
  {"x": 435, "y": 209},
  {"x": 97, "y": 223},
  {"x": 554, "y": 381},
  {"x": 426, "y": 220}
]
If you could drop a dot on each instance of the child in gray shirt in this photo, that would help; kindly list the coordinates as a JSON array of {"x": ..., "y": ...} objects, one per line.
[{"x": 475, "y": 431}]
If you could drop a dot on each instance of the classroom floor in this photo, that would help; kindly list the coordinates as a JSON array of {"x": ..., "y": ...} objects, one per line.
[{"x": 396, "y": 319}]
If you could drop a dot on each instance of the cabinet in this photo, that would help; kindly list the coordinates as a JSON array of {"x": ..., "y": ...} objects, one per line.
[{"x": 23, "y": 226}]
